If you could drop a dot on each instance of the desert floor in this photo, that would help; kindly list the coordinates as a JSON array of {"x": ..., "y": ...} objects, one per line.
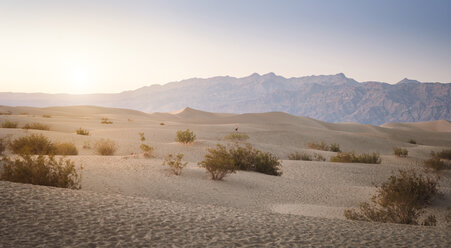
[{"x": 127, "y": 199}]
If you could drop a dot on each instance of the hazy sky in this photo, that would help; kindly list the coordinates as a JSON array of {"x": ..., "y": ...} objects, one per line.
[{"x": 111, "y": 46}]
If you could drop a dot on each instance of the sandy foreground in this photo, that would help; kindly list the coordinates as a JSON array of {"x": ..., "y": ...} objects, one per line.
[{"x": 128, "y": 200}]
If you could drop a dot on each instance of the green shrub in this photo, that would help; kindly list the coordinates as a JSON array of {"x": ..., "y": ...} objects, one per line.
[
  {"x": 37, "y": 126},
  {"x": 9, "y": 124},
  {"x": 187, "y": 136},
  {"x": 147, "y": 150},
  {"x": 250, "y": 159},
  {"x": 351, "y": 157},
  {"x": 401, "y": 199},
  {"x": 82, "y": 131},
  {"x": 175, "y": 163},
  {"x": 334, "y": 147},
  {"x": 237, "y": 137},
  {"x": 105, "y": 147},
  {"x": 36, "y": 144},
  {"x": 444, "y": 154},
  {"x": 41, "y": 170},
  {"x": 436, "y": 164},
  {"x": 105, "y": 121},
  {"x": 66, "y": 149},
  {"x": 218, "y": 162},
  {"x": 400, "y": 152},
  {"x": 412, "y": 141}
]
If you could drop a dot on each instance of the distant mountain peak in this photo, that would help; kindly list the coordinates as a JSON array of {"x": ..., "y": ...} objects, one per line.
[{"x": 408, "y": 81}]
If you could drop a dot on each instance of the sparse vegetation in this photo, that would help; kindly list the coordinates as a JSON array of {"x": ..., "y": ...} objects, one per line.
[
  {"x": 35, "y": 144},
  {"x": 175, "y": 163},
  {"x": 400, "y": 152},
  {"x": 46, "y": 116},
  {"x": 6, "y": 113},
  {"x": 334, "y": 147},
  {"x": 9, "y": 124},
  {"x": 82, "y": 131},
  {"x": 147, "y": 150},
  {"x": 86, "y": 145},
  {"x": 444, "y": 154},
  {"x": 162, "y": 123},
  {"x": 323, "y": 146},
  {"x": 2, "y": 146},
  {"x": 306, "y": 157},
  {"x": 318, "y": 146},
  {"x": 412, "y": 141},
  {"x": 36, "y": 126},
  {"x": 436, "y": 164},
  {"x": 186, "y": 137},
  {"x": 401, "y": 199},
  {"x": 105, "y": 147},
  {"x": 351, "y": 157},
  {"x": 105, "y": 121},
  {"x": 41, "y": 170},
  {"x": 141, "y": 137},
  {"x": 237, "y": 137},
  {"x": 66, "y": 149},
  {"x": 218, "y": 162}
]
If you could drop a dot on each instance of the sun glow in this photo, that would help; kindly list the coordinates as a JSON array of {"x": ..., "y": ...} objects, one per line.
[{"x": 78, "y": 79}]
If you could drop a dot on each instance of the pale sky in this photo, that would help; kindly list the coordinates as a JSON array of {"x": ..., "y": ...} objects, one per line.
[{"x": 112, "y": 46}]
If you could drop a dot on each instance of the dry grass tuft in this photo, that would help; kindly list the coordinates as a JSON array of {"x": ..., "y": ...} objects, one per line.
[{"x": 105, "y": 147}]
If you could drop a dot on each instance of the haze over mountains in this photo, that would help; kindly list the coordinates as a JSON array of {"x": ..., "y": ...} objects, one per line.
[{"x": 331, "y": 98}]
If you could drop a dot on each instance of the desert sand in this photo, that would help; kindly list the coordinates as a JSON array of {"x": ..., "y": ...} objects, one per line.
[{"x": 129, "y": 200}]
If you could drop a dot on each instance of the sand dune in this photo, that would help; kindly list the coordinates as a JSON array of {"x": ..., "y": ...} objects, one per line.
[
  {"x": 53, "y": 217},
  {"x": 128, "y": 199}
]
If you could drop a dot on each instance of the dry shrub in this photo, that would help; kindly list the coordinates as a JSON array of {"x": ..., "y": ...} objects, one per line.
[
  {"x": 412, "y": 141},
  {"x": 142, "y": 137},
  {"x": 187, "y": 136},
  {"x": 9, "y": 124},
  {"x": 300, "y": 156},
  {"x": 105, "y": 147},
  {"x": 66, "y": 149},
  {"x": 237, "y": 137},
  {"x": 175, "y": 163},
  {"x": 147, "y": 150},
  {"x": 323, "y": 146},
  {"x": 105, "y": 121},
  {"x": 162, "y": 123},
  {"x": 46, "y": 116},
  {"x": 37, "y": 126},
  {"x": 351, "y": 157},
  {"x": 400, "y": 152},
  {"x": 2, "y": 146},
  {"x": 218, "y": 162},
  {"x": 36, "y": 144},
  {"x": 334, "y": 147},
  {"x": 82, "y": 131},
  {"x": 318, "y": 157},
  {"x": 318, "y": 146},
  {"x": 41, "y": 170},
  {"x": 444, "y": 154},
  {"x": 6, "y": 113},
  {"x": 86, "y": 145},
  {"x": 401, "y": 199},
  {"x": 437, "y": 164}
]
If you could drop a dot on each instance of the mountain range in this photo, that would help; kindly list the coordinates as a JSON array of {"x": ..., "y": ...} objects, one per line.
[{"x": 331, "y": 98}]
